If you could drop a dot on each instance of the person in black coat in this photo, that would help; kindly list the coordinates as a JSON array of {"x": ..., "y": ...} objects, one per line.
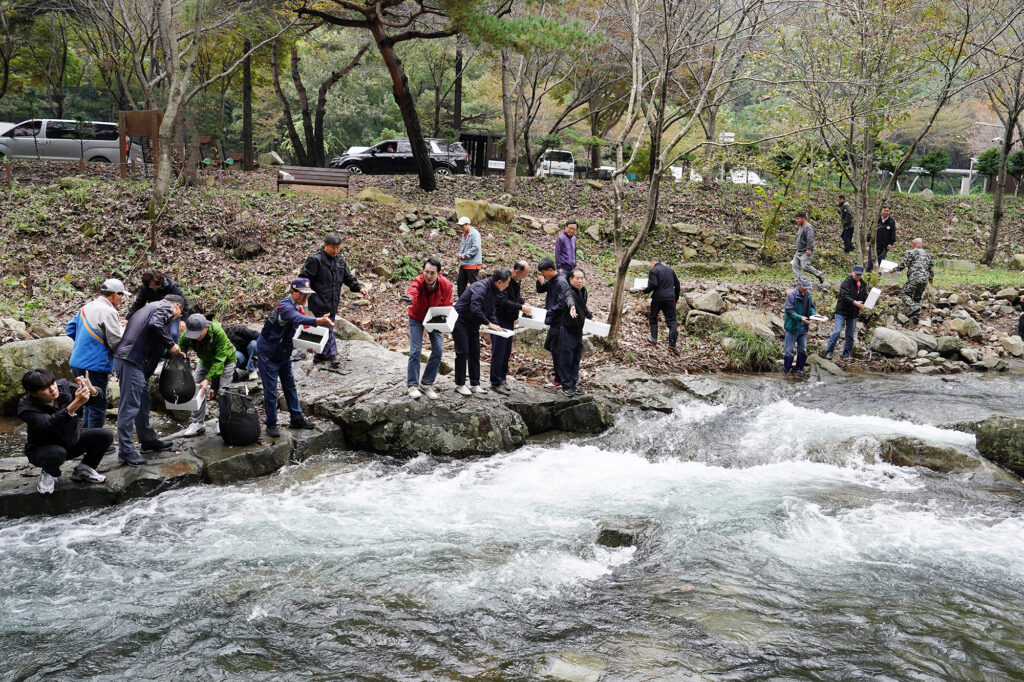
[
  {"x": 51, "y": 410},
  {"x": 885, "y": 235},
  {"x": 243, "y": 338},
  {"x": 554, "y": 284},
  {"x": 852, "y": 294},
  {"x": 155, "y": 286},
  {"x": 327, "y": 271},
  {"x": 663, "y": 285},
  {"x": 509, "y": 304},
  {"x": 571, "y": 346},
  {"x": 476, "y": 309}
]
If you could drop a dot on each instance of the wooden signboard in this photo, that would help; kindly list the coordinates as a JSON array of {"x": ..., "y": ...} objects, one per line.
[{"x": 138, "y": 124}]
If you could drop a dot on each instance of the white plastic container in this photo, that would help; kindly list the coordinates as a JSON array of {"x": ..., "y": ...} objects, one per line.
[
  {"x": 872, "y": 297},
  {"x": 639, "y": 283},
  {"x": 448, "y": 325},
  {"x": 506, "y": 333},
  {"x": 190, "y": 405},
  {"x": 818, "y": 318},
  {"x": 596, "y": 328},
  {"x": 533, "y": 322},
  {"x": 316, "y": 346},
  {"x": 887, "y": 266}
]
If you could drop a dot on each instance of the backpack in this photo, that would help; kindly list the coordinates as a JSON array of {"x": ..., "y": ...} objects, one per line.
[
  {"x": 239, "y": 421},
  {"x": 176, "y": 382}
]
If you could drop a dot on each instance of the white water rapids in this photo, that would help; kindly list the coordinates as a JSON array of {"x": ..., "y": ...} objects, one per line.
[{"x": 773, "y": 544}]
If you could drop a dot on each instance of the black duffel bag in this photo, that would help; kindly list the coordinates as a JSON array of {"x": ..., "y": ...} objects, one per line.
[
  {"x": 176, "y": 382},
  {"x": 239, "y": 421}
]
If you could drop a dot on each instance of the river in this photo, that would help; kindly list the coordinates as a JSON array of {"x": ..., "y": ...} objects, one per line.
[{"x": 773, "y": 544}]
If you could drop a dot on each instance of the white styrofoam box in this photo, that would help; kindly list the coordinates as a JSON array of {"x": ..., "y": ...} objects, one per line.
[
  {"x": 639, "y": 283},
  {"x": 448, "y": 311},
  {"x": 190, "y": 405},
  {"x": 507, "y": 333},
  {"x": 872, "y": 297},
  {"x": 536, "y": 322},
  {"x": 318, "y": 346},
  {"x": 887, "y": 266},
  {"x": 596, "y": 328},
  {"x": 818, "y": 318}
]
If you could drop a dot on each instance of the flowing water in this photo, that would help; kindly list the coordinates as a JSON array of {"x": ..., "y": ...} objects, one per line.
[{"x": 772, "y": 544}]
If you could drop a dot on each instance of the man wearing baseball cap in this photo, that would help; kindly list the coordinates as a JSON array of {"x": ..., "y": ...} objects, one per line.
[
  {"x": 216, "y": 368},
  {"x": 274, "y": 348},
  {"x": 799, "y": 308},
  {"x": 96, "y": 330},
  {"x": 470, "y": 255},
  {"x": 852, "y": 294}
]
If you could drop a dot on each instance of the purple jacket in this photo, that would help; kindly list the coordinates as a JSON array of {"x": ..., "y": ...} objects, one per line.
[{"x": 565, "y": 252}]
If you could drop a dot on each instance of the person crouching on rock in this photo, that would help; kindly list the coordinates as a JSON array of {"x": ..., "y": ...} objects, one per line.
[
  {"x": 571, "y": 346},
  {"x": 51, "y": 409},
  {"x": 427, "y": 290},
  {"x": 216, "y": 367},
  {"x": 476, "y": 309},
  {"x": 799, "y": 308},
  {"x": 274, "y": 350}
]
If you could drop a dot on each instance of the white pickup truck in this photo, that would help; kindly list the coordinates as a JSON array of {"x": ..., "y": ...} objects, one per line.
[{"x": 62, "y": 140}]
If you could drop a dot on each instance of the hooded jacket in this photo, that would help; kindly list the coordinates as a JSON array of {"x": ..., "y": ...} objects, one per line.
[
  {"x": 326, "y": 275},
  {"x": 96, "y": 330},
  {"x": 424, "y": 298}
]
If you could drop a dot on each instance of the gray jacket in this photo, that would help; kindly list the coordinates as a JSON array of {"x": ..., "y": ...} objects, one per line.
[
  {"x": 805, "y": 238},
  {"x": 470, "y": 245}
]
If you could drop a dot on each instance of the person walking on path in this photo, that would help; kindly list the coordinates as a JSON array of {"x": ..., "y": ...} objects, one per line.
[
  {"x": 554, "y": 284},
  {"x": 799, "y": 308},
  {"x": 50, "y": 409},
  {"x": 216, "y": 367},
  {"x": 427, "y": 290},
  {"x": 327, "y": 272},
  {"x": 663, "y": 286},
  {"x": 150, "y": 335},
  {"x": 476, "y": 309},
  {"x": 846, "y": 220},
  {"x": 274, "y": 349},
  {"x": 507, "y": 308},
  {"x": 571, "y": 346},
  {"x": 96, "y": 330},
  {"x": 852, "y": 294},
  {"x": 918, "y": 264},
  {"x": 470, "y": 255},
  {"x": 155, "y": 287},
  {"x": 565, "y": 248},
  {"x": 805, "y": 249}
]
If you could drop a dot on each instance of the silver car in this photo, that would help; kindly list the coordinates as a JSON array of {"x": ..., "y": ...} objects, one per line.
[{"x": 62, "y": 140}]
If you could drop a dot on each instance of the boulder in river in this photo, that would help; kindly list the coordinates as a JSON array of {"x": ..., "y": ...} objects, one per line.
[
  {"x": 51, "y": 354},
  {"x": 892, "y": 343},
  {"x": 911, "y": 452},
  {"x": 1001, "y": 440}
]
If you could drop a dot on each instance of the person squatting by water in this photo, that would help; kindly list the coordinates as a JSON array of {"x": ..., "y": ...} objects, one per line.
[
  {"x": 918, "y": 264},
  {"x": 327, "y": 272},
  {"x": 274, "y": 350},
  {"x": 799, "y": 308},
  {"x": 476, "y": 308},
  {"x": 427, "y": 290},
  {"x": 570, "y": 345},
  {"x": 663, "y": 285},
  {"x": 852, "y": 294},
  {"x": 51, "y": 409},
  {"x": 554, "y": 285},
  {"x": 216, "y": 367},
  {"x": 804, "y": 249}
]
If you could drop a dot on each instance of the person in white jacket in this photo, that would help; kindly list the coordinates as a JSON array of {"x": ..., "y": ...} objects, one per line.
[{"x": 96, "y": 330}]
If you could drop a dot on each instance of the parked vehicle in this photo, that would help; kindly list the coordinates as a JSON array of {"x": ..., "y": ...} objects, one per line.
[
  {"x": 746, "y": 177},
  {"x": 4, "y": 126},
  {"x": 601, "y": 173},
  {"x": 394, "y": 157},
  {"x": 63, "y": 140},
  {"x": 558, "y": 163}
]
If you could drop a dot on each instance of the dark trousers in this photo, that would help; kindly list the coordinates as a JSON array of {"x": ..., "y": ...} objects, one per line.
[
  {"x": 883, "y": 251},
  {"x": 847, "y": 236},
  {"x": 570, "y": 352},
  {"x": 94, "y": 413},
  {"x": 501, "y": 351},
  {"x": 269, "y": 374},
  {"x": 466, "y": 277},
  {"x": 91, "y": 445},
  {"x": 331, "y": 349},
  {"x": 133, "y": 408},
  {"x": 668, "y": 309},
  {"x": 552, "y": 342},
  {"x": 467, "y": 352}
]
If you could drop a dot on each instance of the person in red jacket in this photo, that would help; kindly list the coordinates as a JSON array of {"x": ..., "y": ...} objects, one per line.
[{"x": 427, "y": 290}]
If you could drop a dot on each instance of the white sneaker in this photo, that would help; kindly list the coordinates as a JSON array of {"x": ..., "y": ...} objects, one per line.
[
  {"x": 84, "y": 472},
  {"x": 216, "y": 428},
  {"x": 479, "y": 389},
  {"x": 254, "y": 375},
  {"x": 46, "y": 483},
  {"x": 463, "y": 390},
  {"x": 414, "y": 393},
  {"x": 194, "y": 429},
  {"x": 430, "y": 392}
]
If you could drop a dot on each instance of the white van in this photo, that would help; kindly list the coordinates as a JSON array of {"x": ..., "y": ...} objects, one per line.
[
  {"x": 62, "y": 140},
  {"x": 558, "y": 163}
]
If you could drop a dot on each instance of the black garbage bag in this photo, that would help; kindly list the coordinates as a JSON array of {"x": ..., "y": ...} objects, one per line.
[
  {"x": 239, "y": 421},
  {"x": 176, "y": 382}
]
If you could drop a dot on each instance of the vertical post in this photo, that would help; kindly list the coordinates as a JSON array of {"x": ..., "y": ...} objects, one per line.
[
  {"x": 122, "y": 156},
  {"x": 247, "y": 147}
]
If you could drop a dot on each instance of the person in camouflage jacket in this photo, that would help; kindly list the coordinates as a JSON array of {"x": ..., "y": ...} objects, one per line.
[{"x": 918, "y": 264}]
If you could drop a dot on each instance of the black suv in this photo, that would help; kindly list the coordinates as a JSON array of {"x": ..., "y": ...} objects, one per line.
[{"x": 394, "y": 157}]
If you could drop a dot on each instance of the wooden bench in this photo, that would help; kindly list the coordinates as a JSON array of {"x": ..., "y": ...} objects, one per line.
[{"x": 320, "y": 177}]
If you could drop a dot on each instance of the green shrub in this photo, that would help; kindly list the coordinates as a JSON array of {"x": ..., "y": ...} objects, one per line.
[{"x": 751, "y": 352}]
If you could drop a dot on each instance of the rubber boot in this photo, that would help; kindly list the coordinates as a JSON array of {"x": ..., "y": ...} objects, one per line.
[
  {"x": 801, "y": 360},
  {"x": 787, "y": 363}
]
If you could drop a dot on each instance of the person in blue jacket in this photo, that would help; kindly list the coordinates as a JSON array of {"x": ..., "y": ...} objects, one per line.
[
  {"x": 799, "y": 308},
  {"x": 96, "y": 330},
  {"x": 476, "y": 309},
  {"x": 274, "y": 350}
]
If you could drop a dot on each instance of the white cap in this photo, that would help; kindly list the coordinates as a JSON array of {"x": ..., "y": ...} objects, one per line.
[
  {"x": 464, "y": 220},
  {"x": 112, "y": 286}
]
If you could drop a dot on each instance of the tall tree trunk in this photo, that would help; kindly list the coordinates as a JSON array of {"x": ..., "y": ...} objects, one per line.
[
  {"x": 248, "y": 153},
  {"x": 457, "y": 104},
  {"x": 862, "y": 227},
  {"x": 511, "y": 133},
  {"x": 997, "y": 195}
]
